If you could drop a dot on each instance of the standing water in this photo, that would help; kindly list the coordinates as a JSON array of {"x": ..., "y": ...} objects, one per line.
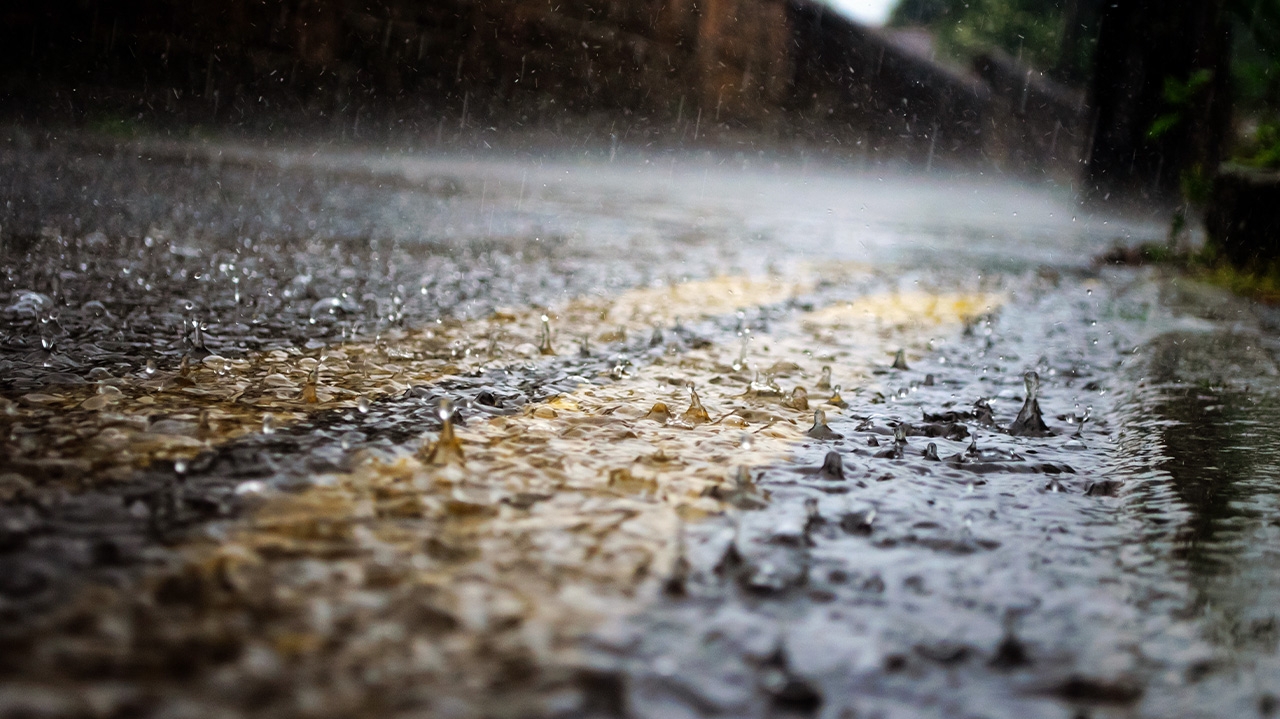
[{"x": 1019, "y": 486}]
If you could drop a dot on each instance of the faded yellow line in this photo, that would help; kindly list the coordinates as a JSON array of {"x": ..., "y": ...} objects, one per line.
[
  {"x": 467, "y": 584},
  {"x": 84, "y": 435}
]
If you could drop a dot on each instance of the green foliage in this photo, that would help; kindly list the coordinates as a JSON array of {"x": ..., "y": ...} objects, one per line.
[
  {"x": 1256, "y": 69},
  {"x": 1196, "y": 185},
  {"x": 1263, "y": 149},
  {"x": 1256, "y": 79},
  {"x": 1027, "y": 29},
  {"x": 1178, "y": 97}
]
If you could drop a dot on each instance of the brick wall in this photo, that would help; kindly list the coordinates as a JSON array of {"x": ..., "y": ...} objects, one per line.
[{"x": 785, "y": 68}]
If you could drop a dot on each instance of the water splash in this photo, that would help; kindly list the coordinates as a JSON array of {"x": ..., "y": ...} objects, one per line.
[
  {"x": 824, "y": 382},
  {"x": 900, "y": 360},
  {"x": 659, "y": 413},
  {"x": 741, "y": 491},
  {"x": 799, "y": 399},
  {"x": 832, "y": 467},
  {"x": 447, "y": 449},
  {"x": 544, "y": 342},
  {"x": 1030, "y": 420},
  {"x": 766, "y": 387},
  {"x": 309, "y": 388},
  {"x": 696, "y": 414},
  {"x": 740, "y": 363},
  {"x": 820, "y": 430},
  {"x": 836, "y": 400}
]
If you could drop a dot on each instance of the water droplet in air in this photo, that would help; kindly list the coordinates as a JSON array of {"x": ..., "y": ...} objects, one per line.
[
  {"x": 362, "y": 404},
  {"x": 268, "y": 424},
  {"x": 746, "y": 442},
  {"x": 180, "y": 466}
]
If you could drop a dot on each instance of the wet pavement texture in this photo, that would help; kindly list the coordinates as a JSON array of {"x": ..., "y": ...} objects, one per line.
[{"x": 721, "y": 436}]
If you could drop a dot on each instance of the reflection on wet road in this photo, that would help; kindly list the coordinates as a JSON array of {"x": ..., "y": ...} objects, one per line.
[{"x": 734, "y": 439}]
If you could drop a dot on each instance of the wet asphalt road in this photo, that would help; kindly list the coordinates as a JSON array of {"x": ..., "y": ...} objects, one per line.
[{"x": 169, "y": 550}]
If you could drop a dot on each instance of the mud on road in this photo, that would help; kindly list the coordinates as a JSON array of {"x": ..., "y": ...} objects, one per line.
[{"x": 718, "y": 438}]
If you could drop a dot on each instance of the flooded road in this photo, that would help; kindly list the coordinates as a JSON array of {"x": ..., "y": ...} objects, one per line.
[{"x": 306, "y": 431}]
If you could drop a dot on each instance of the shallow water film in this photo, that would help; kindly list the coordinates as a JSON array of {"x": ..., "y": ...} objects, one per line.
[{"x": 301, "y": 432}]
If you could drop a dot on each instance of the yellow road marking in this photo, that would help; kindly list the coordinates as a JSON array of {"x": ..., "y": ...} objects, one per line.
[{"x": 474, "y": 581}]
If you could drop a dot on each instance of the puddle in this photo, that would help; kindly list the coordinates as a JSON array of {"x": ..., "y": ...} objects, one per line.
[{"x": 864, "y": 512}]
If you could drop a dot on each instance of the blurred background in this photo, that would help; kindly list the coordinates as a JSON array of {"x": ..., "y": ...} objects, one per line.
[{"x": 1140, "y": 99}]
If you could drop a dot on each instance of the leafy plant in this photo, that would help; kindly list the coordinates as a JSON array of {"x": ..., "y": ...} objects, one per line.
[
  {"x": 1263, "y": 151},
  {"x": 1179, "y": 96}
]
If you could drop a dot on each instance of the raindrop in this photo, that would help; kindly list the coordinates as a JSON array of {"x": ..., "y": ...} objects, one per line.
[
  {"x": 900, "y": 433},
  {"x": 746, "y": 442},
  {"x": 268, "y": 424},
  {"x": 362, "y": 404},
  {"x": 931, "y": 452},
  {"x": 180, "y": 466}
]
